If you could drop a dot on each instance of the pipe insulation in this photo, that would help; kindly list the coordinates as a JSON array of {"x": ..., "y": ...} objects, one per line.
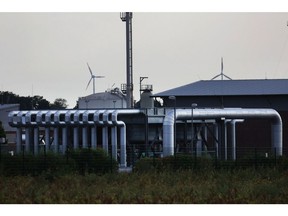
[
  {"x": 233, "y": 113},
  {"x": 122, "y": 125}
]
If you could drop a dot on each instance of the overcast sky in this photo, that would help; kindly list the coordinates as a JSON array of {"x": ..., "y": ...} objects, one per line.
[{"x": 46, "y": 53}]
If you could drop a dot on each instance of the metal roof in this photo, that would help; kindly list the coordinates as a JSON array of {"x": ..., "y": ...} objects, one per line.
[{"x": 230, "y": 88}]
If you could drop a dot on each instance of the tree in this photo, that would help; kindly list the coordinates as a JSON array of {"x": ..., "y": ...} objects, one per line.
[
  {"x": 39, "y": 103},
  {"x": 59, "y": 103},
  {"x": 2, "y": 131}
]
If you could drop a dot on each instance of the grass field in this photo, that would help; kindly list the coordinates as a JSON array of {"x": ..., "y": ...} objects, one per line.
[{"x": 259, "y": 186}]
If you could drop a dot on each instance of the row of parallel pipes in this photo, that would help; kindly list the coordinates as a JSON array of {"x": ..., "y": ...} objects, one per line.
[{"x": 81, "y": 121}]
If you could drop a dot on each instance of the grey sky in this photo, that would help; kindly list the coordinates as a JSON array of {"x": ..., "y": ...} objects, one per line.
[{"x": 46, "y": 53}]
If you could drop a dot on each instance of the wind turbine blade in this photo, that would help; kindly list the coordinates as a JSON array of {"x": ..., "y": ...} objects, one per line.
[
  {"x": 227, "y": 77},
  {"x": 89, "y": 83},
  {"x": 90, "y": 69},
  {"x": 99, "y": 76},
  {"x": 216, "y": 76}
]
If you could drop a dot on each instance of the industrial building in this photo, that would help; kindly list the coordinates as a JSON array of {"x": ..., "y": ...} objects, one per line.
[
  {"x": 259, "y": 93},
  {"x": 215, "y": 118},
  {"x": 219, "y": 128}
]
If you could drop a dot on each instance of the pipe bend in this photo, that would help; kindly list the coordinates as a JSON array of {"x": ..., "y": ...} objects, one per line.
[
  {"x": 13, "y": 119},
  {"x": 39, "y": 117},
  {"x": 57, "y": 118},
  {"x": 48, "y": 117},
  {"x": 28, "y": 117},
  {"x": 96, "y": 117},
  {"x": 106, "y": 119}
]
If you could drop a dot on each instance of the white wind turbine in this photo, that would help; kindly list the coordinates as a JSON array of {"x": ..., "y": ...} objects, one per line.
[
  {"x": 92, "y": 77},
  {"x": 221, "y": 74}
]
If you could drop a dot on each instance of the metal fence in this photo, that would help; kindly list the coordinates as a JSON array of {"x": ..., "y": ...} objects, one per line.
[{"x": 248, "y": 156}]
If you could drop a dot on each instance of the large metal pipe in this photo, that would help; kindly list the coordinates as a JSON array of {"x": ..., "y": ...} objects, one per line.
[
  {"x": 15, "y": 120},
  {"x": 233, "y": 136},
  {"x": 98, "y": 121},
  {"x": 123, "y": 154},
  {"x": 237, "y": 113}
]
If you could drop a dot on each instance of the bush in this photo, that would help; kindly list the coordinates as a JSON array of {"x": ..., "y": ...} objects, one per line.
[
  {"x": 29, "y": 164},
  {"x": 146, "y": 165},
  {"x": 173, "y": 163},
  {"x": 81, "y": 161},
  {"x": 93, "y": 161}
]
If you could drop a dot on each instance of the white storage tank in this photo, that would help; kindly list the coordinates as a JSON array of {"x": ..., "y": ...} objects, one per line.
[{"x": 108, "y": 99}]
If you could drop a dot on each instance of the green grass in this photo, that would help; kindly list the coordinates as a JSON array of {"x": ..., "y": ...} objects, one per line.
[{"x": 182, "y": 187}]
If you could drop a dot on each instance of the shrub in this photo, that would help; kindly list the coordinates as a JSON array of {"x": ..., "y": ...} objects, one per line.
[
  {"x": 34, "y": 165},
  {"x": 173, "y": 163},
  {"x": 146, "y": 165},
  {"x": 93, "y": 161}
]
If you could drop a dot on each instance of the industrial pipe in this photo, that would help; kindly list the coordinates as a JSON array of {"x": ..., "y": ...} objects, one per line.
[{"x": 237, "y": 113}]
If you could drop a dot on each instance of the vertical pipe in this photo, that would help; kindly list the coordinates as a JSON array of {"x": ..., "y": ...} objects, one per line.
[
  {"x": 64, "y": 140},
  {"x": 36, "y": 141},
  {"x": 233, "y": 139},
  {"x": 114, "y": 142},
  {"x": 233, "y": 136},
  {"x": 18, "y": 140},
  {"x": 56, "y": 139},
  {"x": 84, "y": 137},
  {"x": 105, "y": 138},
  {"x": 276, "y": 130},
  {"x": 216, "y": 135},
  {"x": 75, "y": 138},
  {"x": 123, "y": 156},
  {"x": 199, "y": 144},
  {"x": 94, "y": 137},
  {"x": 27, "y": 140},
  {"x": 47, "y": 137},
  {"x": 225, "y": 139},
  {"x": 168, "y": 134}
]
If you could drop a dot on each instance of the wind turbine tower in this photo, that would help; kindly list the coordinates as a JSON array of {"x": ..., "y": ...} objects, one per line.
[
  {"x": 127, "y": 17},
  {"x": 93, "y": 77}
]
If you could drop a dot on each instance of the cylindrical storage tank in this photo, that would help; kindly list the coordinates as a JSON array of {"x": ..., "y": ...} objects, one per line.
[{"x": 146, "y": 100}]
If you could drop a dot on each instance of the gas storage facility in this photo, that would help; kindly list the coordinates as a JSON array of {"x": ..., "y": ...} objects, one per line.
[
  {"x": 225, "y": 126},
  {"x": 223, "y": 119}
]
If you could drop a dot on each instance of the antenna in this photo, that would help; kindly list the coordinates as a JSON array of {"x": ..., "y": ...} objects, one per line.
[
  {"x": 221, "y": 74},
  {"x": 92, "y": 77}
]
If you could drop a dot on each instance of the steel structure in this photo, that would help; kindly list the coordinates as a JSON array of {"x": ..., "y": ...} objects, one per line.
[
  {"x": 127, "y": 17},
  {"x": 84, "y": 129}
]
